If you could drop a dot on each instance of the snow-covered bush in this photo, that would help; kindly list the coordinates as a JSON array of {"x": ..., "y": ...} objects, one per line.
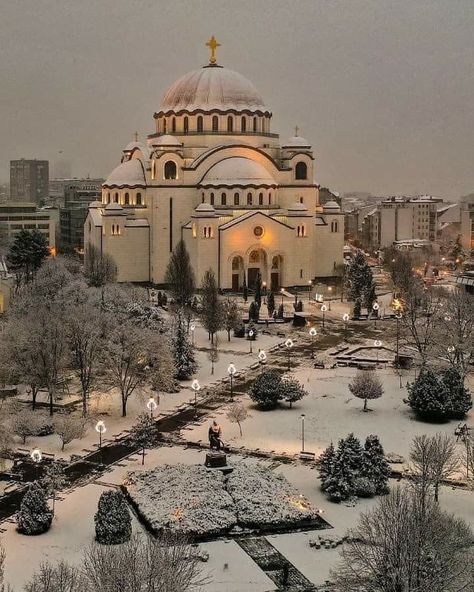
[
  {"x": 34, "y": 516},
  {"x": 113, "y": 523},
  {"x": 364, "y": 487},
  {"x": 265, "y": 390}
]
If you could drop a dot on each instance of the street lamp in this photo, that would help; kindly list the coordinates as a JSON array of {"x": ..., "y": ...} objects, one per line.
[
  {"x": 323, "y": 310},
  {"x": 231, "y": 371},
  {"x": 100, "y": 429},
  {"x": 196, "y": 388},
  {"x": 281, "y": 292},
  {"x": 264, "y": 288},
  {"x": 375, "y": 308},
  {"x": 329, "y": 300},
  {"x": 151, "y": 406},
  {"x": 302, "y": 432},
  {"x": 398, "y": 316},
  {"x": 36, "y": 457},
  {"x": 378, "y": 345},
  {"x": 345, "y": 318},
  {"x": 193, "y": 328},
  {"x": 262, "y": 358},
  {"x": 310, "y": 287},
  {"x": 313, "y": 334},
  {"x": 288, "y": 345},
  {"x": 251, "y": 334}
]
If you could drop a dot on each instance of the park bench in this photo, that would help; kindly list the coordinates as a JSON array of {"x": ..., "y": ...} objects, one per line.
[{"x": 311, "y": 456}]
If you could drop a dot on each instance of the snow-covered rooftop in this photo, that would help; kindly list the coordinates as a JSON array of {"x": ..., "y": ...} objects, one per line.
[
  {"x": 128, "y": 174},
  {"x": 238, "y": 171}
]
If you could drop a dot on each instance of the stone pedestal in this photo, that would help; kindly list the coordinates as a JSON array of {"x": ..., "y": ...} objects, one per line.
[{"x": 216, "y": 459}]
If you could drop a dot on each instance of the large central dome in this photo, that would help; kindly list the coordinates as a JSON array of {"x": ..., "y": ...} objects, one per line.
[{"x": 212, "y": 88}]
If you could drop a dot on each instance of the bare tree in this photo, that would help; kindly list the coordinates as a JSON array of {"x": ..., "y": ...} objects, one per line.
[
  {"x": 69, "y": 428},
  {"x": 3, "y": 587},
  {"x": 61, "y": 577},
  {"x": 99, "y": 268},
  {"x": 434, "y": 459},
  {"x": 366, "y": 385},
  {"x": 407, "y": 544},
  {"x": 455, "y": 337},
  {"x": 237, "y": 414},
  {"x": 213, "y": 354},
  {"x": 24, "y": 423}
]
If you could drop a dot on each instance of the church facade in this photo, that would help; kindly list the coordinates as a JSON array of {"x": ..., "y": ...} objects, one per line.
[{"x": 215, "y": 175}]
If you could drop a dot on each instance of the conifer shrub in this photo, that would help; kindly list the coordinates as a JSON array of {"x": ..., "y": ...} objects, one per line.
[
  {"x": 113, "y": 523},
  {"x": 34, "y": 516}
]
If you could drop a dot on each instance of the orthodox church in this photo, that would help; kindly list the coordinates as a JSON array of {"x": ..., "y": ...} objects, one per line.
[{"x": 214, "y": 174}]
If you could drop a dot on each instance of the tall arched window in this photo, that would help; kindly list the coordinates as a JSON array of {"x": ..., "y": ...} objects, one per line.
[
  {"x": 202, "y": 197},
  {"x": 249, "y": 199},
  {"x": 171, "y": 170},
  {"x": 108, "y": 197},
  {"x": 199, "y": 123},
  {"x": 126, "y": 199},
  {"x": 230, "y": 123},
  {"x": 243, "y": 124},
  {"x": 173, "y": 124},
  {"x": 212, "y": 199},
  {"x": 223, "y": 199},
  {"x": 269, "y": 199},
  {"x": 301, "y": 171},
  {"x": 164, "y": 126},
  {"x": 215, "y": 123},
  {"x": 254, "y": 124},
  {"x": 186, "y": 125},
  {"x": 116, "y": 197},
  {"x": 139, "y": 199},
  {"x": 236, "y": 199},
  {"x": 260, "y": 199}
]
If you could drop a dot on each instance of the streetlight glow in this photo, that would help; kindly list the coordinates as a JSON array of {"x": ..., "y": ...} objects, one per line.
[
  {"x": 231, "y": 370},
  {"x": 151, "y": 406}
]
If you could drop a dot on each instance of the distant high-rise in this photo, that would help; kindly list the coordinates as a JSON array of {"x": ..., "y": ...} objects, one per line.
[{"x": 29, "y": 180}]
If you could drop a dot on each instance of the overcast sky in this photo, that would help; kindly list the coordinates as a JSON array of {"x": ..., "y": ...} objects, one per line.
[{"x": 384, "y": 90}]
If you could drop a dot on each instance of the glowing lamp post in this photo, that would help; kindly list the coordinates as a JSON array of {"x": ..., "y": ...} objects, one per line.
[
  {"x": 289, "y": 345},
  {"x": 262, "y": 358},
  {"x": 329, "y": 300},
  {"x": 324, "y": 309},
  {"x": 375, "y": 308},
  {"x": 193, "y": 328},
  {"x": 100, "y": 429},
  {"x": 151, "y": 406},
  {"x": 36, "y": 457},
  {"x": 196, "y": 388},
  {"x": 281, "y": 292},
  {"x": 310, "y": 287},
  {"x": 231, "y": 370},
  {"x": 345, "y": 318},
  {"x": 251, "y": 335},
  {"x": 302, "y": 431},
  {"x": 312, "y": 333},
  {"x": 378, "y": 345},
  {"x": 264, "y": 289}
]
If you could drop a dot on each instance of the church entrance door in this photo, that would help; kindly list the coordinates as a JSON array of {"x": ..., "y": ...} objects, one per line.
[
  {"x": 235, "y": 282},
  {"x": 275, "y": 281},
  {"x": 252, "y": 276}
]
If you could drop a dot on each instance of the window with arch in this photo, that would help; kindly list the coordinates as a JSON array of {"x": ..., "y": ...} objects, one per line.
[
  {"x": 138, "y": 200},
  {"x": 301, "y": 171},
  {"x": 212, "y": 199},
  {"x": 126, "y": 199},
  {"x": 115, "y": 229},
  {"x": 164, "y": 126},
  {"x": 301, "y": 231},
  {"x": 301, "y": 200},
  {"x": 215, "y": 123},
  {"x": 207, "y": 232},
  {"x": 334, "y": 226},
  {"x": 171, "y": 170},
  {"x": 200, "y": 125},
  {"x": 236, "y": 199},
  {"x": 269, "y": 198},
  {"x": 260, "y": 199},
  {"x": 223, "y": 199},
  {"x": 249, "y": 199},
  {"x": 230, "y": 123},
  {"x": 254, "y": 124},
  {"x": 107, "y": 199},
  {"x": 116, "y": 197},
  {"x": 173, "y": 124},
  {"x": 186, "y": 125},
  {"x": 243, "y": 124},
  {"x": 202, "y": 197}
]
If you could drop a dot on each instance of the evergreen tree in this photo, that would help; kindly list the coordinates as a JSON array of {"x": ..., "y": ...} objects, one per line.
[
  {"x": 459, "y": 397},
  {"x": 113, "y": 523},
  {"x": 254, "y": 311},
  {"x": 27, "y": 252},
  {"x": 245, "y": 291},
  {"x": 370, "y": 297},
  {"x": 354, "y": 453},
  {"x": 428, "y": 397},
  {"x": 359, "y": 278},
  {"x": 357, "y": 308},
  {"x": 211, "y": 312},
  {"x": 180, "y": 275},
  {"x": 326, "y": 465},
  {"x": 184, "y": 359},
  {"x": 144, "y": 433},
  {"x": 339, "y": 486},
  {"x": 374, "y": 466},
  {"x": 258, "y": 290},
  {"x": 232, "y": 317},
  {"x": 281, "y": 311},
  {"x": 34, "y": 516},
  {"x": 54, "y": 479},
  {"x": 266, "y": 389},
  {"x": 270, "y": 303},
  {"x": 291, "y": 391}
]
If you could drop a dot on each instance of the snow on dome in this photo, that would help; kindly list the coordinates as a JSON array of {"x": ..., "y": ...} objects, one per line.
[
  {"x": 210, "y": 88},
  {"x": 205, "y": 210},
  {"x": 297, "y": 206},
  {"x": 95, "y": 204},
  {"x": 296, "y": 142},
  {"x": 237, "y": 171},
  {"x": 113, "y": 209},
  {"x": 166, "y": 140},
  {"x": 331, "y": 206},
  {"x": 128, "y": 174}
]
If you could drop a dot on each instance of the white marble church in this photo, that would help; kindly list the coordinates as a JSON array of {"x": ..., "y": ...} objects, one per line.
[{"x": 214, "y": 174}]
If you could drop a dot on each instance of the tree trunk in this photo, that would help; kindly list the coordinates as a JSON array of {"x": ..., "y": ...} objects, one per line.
[
  {"x": 143, "y": 456},
  {"x": 62, "y": 447},
  {"x": 84, "y": 403},
  {"x": 34, "y": 394},
  {"x": 365, "y": 404},
  {"x": 240, "y": 428},
  {"x": 124, "y": 405},
  {"x": 436, "y": 491},
  {"x": 51, "y": 410},
  {"x": 291, "y": 404},
  {"x": 228, "y": 335}
]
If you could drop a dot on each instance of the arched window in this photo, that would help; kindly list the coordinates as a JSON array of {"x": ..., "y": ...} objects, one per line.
[
  {"x": 243, "y": 124},
  {"x": 301, "y": 200},
  {"x": 212, "y": 199},
  {"x": 334, "y": 226},
  {"x": 260, "y": 199},
  {"x": 215, "y": 123},
  {"x": 202, "y": 197},
  {"x": 236, "y": 199},
  {"x": 173, "y": 124},
  {"x": 116, "y": 197},
  {"x": 223, "y": 199},
  {"x": 164, "y": 126},
  {"x": 108, "y": 197},
  {"x": 139, "y": 199},
  {"x": 254, "y": 124},
  {"x": 230, "y": 123},
  {"x": 126, "y": 199},
  {"x": 199, "y": 123},
  {"x": 249, "y": 199},
  {"x": 171, "y": 170},
  {"x": 269, "y": 198},
  {"x": 186, "y": 125},
  {"x": 301, "y": 171}
]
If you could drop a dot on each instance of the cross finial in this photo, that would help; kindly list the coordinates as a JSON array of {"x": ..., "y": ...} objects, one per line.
[
  {"x": 297, "y": 129},
  {"x": 135, "y": 135},
  {"x": 212, "y": 44}
]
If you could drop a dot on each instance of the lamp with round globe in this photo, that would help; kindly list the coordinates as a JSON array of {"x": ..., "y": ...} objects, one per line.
[
  {"x": 312, "y": 334},
  {"x": 262, "y": 358},
  {"x": 151, "y": 406},
  {"x": 231, "y": 370},
  {"x": 196, "y": 388},
  {"x": 345, "y": 318},
  {"x": 289, "y": 345},
  {"x": 36, "y": 457},
  {"x": 375, "y": 308},
  {"x": 324, "y": 309},
  {"x": 251, "y": 335},
  {"x": 310, "y": 287},
  {"x": 378, "y": 345}
]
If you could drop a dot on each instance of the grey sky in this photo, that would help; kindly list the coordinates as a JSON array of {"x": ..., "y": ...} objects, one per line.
[{"x": 383, "y": 89}]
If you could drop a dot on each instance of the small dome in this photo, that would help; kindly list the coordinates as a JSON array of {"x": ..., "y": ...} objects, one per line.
[
  {"x": 331, "y": 206},
  {"x": 128, "y": 174},
  {"x": 166, "y": 140},
  {"x": 113, "y": 209},
  {"x": 296, "y": 142},
  {"x": 95, "y": 204},
  {"x": 237, "y": 170},
  {"x": 131, "y": 146},
  {"x": 205, "y": 210},
  {"x": 297, "y": 207},
  {"x": 212, "y": 88}
]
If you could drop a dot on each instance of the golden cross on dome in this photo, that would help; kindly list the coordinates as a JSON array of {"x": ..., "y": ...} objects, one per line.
[
  {"x": 135, "y": 135},
  {"x": 297, "y": 129},
  {"x": 212, "y": 44}
]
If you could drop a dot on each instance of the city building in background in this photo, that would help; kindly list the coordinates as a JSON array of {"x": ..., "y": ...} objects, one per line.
[
  {"x": 78, "y": 194},
  {"x": 467, "y": 222},
  {"x": 6, "y": 285},
  {"x": 29, "y": 181},
  {"x": 27, "y": 216}
]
